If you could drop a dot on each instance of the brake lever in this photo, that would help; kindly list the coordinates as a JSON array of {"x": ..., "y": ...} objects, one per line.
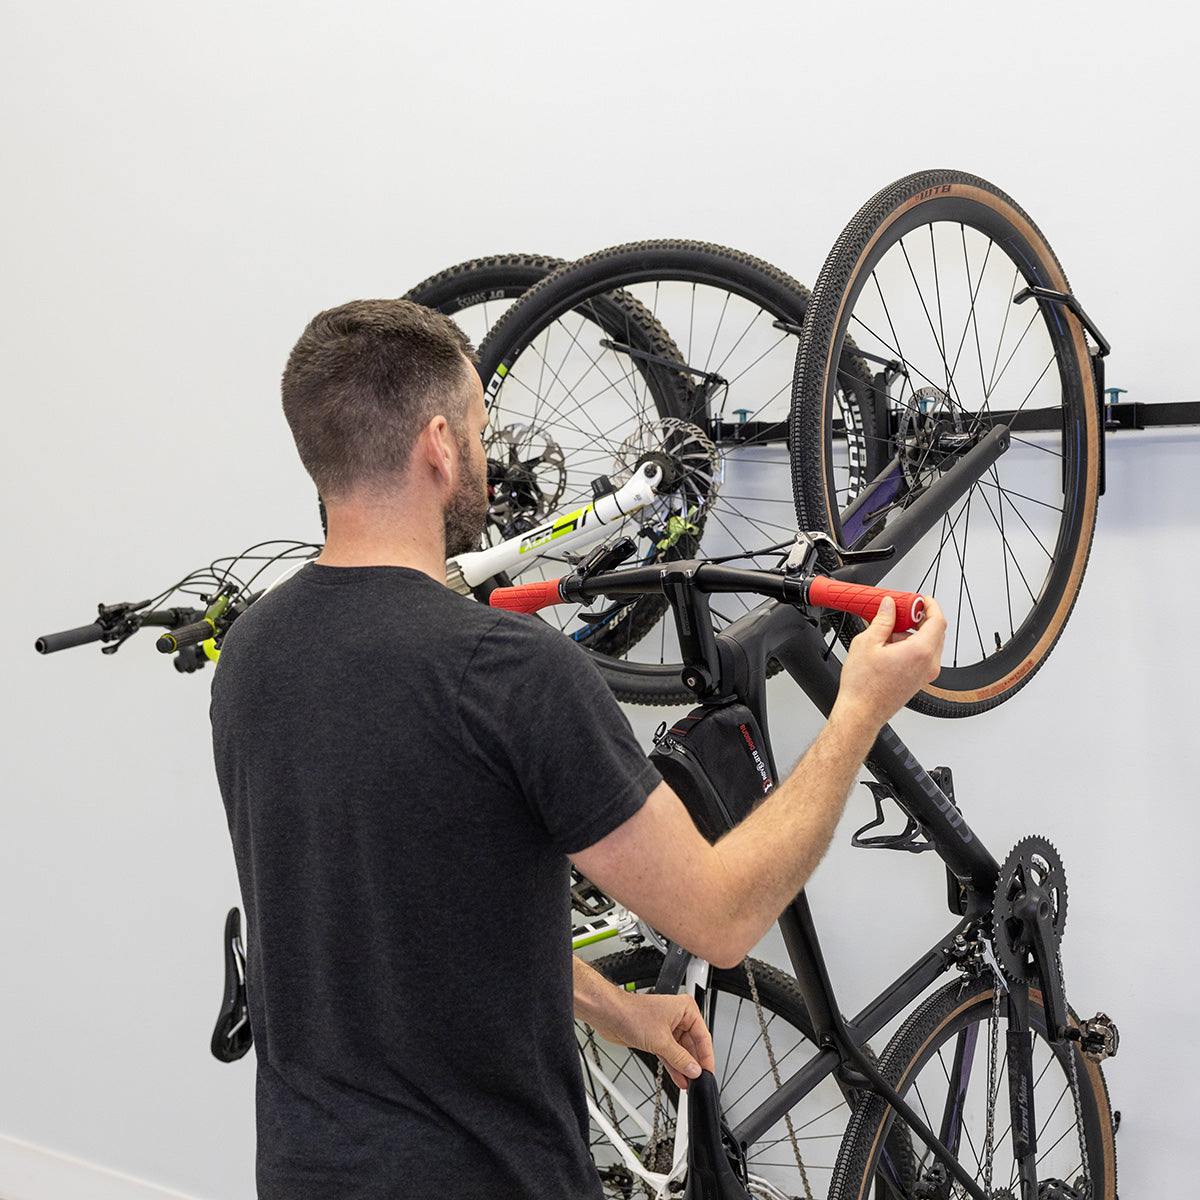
[
  {"x": 120, "y": 623},
  {"x": 805, "y": 551}
]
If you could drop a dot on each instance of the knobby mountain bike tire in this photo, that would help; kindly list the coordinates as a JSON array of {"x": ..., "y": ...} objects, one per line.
[
  {"x": 725, "y": 325},
  {"x": 947, "y": 1042},
  {"x": 925, "y": 279},
  {"x": 476, "y": 292},
  {"x": 744, "y": 1076}
]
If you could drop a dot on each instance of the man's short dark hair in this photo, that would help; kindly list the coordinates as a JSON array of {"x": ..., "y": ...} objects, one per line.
[{"x": 363, "y": 381}]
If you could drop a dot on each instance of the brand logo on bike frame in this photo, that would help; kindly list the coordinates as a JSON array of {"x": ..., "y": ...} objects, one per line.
[
  {"x": 579, "y": 519},
  {"x": 759, "y": 765}
]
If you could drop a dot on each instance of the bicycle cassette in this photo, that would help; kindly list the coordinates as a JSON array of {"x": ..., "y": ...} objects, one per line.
[{"x": 1033, "y": 868}]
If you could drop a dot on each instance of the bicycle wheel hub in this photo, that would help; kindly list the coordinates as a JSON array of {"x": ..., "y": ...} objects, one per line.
[
  {"x": 931, "y": 434},
  {"x": 694, "y": 465}
]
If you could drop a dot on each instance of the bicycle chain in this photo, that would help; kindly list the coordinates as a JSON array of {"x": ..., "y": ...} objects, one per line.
[
  {"x": 591, "y": 1041},
  {"x": 989, "y": 1141},
  {"x": 787, "y": 1117},
  {"x": 1075, "y": 1096},
  {"x": 651, "y": 1156}
]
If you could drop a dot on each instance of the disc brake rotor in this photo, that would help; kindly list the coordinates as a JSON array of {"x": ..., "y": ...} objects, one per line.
[
  {"x": 930, "y": 431},
  {"x": 696, "y": 463},
  {"x": 527, "y": 475}
]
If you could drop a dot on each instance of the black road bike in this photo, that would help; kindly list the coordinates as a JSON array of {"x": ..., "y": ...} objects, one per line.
[{"x": 991, "y": 1087}]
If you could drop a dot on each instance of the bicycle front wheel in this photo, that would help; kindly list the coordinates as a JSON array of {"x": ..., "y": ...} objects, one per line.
[
  {"x": 714, "y": 372},
  {"x": 927, "y": 281},
  {"x": 939, "y": 1062}
]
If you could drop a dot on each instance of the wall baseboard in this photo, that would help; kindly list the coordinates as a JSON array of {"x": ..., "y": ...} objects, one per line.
[{"x": 29, "y": 1172}]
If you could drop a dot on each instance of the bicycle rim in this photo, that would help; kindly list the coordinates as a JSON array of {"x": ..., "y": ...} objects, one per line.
[{"x": 926, "y": 281}]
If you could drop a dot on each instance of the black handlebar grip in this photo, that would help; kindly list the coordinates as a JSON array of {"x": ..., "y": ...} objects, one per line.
[
  {"x": 50, "y": 642},
  {"x": 185, "y": 635}
]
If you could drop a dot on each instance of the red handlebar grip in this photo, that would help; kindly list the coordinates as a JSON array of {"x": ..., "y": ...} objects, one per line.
[
  {"x": 863, "y": 601},
  {"x": 527, "y": 597}
]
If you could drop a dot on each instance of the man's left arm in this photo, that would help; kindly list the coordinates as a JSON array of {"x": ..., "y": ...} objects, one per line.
[{"x": 668, "y": 1026}]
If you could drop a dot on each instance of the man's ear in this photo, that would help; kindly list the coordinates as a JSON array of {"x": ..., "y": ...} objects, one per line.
[{"x": 436, "y": 444}]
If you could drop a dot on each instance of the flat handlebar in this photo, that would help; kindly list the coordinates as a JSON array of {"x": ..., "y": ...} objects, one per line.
[{"x": 114, "y": 623}]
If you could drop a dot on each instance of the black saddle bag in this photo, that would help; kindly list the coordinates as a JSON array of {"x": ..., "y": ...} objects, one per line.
[{"x": 716, "y": 761}]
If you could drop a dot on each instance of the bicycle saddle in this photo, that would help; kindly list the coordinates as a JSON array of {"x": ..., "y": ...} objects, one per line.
[{"x": 232, "y": 1036}]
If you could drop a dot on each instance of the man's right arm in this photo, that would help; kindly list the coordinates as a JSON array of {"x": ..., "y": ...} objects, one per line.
[{"x": 718, "y": 900}]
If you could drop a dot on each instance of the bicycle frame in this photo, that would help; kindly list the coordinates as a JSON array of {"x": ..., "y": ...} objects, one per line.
[{"x": 733, "y": 665}]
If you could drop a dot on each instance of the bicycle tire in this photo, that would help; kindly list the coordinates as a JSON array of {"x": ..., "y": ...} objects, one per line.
[
  {"x": 944, "y": 1020},
  {"x": 743, "y": 1075},
  {"x": 925, "y": 277},
  {"x": 477, "y": 291},
  {"x": 733, "y": 319}
]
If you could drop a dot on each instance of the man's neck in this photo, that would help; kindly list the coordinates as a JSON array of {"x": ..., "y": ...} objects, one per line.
[{"x": 375, "y": 531}]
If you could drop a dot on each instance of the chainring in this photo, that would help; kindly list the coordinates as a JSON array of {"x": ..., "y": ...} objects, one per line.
[{"x": 1033, "y": 861}]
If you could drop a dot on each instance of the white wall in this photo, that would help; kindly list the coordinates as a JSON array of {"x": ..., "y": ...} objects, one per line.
[{"x": 186, "y": 185}]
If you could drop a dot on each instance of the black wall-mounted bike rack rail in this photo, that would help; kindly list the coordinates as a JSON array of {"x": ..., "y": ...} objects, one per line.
[{"x": 1136, "y": 414}]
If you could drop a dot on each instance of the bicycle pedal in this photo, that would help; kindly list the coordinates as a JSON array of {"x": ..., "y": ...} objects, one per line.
[
  {"x": 587, "y": 898},
  {"x": 1099, "y": 1038}
]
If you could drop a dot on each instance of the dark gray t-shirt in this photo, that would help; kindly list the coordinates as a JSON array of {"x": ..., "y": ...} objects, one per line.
[{"x": 404, "y": 772}]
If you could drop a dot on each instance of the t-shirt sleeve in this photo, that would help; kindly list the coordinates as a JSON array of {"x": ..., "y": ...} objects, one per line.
[{"x": 534, "y": 705}]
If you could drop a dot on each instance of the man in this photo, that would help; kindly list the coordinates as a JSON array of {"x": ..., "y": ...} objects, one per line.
[{"x": 406, "y": 775}]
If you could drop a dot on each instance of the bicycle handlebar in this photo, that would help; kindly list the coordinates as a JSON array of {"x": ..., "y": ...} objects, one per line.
[
  {"x": 863, "y": 601},
  {"x": 528, "y": 597},
  {"x": 819, "y": 592},
  {"x": 116, "y": 623}
]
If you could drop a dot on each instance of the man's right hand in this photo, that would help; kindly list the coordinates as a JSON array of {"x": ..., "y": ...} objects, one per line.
[{"x": 884, "y": 669}]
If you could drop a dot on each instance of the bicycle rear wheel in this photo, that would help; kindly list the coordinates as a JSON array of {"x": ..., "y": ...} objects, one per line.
[
  {"x": 926, "y": 280},
  {"x": 939, "y": 1062},
  {"x": 732, "y": 322},
  {"x": 743, "y": 1073}
]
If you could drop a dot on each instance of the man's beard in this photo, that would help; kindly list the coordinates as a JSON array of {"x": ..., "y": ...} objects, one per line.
[{"x": 467, "y": 511}]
